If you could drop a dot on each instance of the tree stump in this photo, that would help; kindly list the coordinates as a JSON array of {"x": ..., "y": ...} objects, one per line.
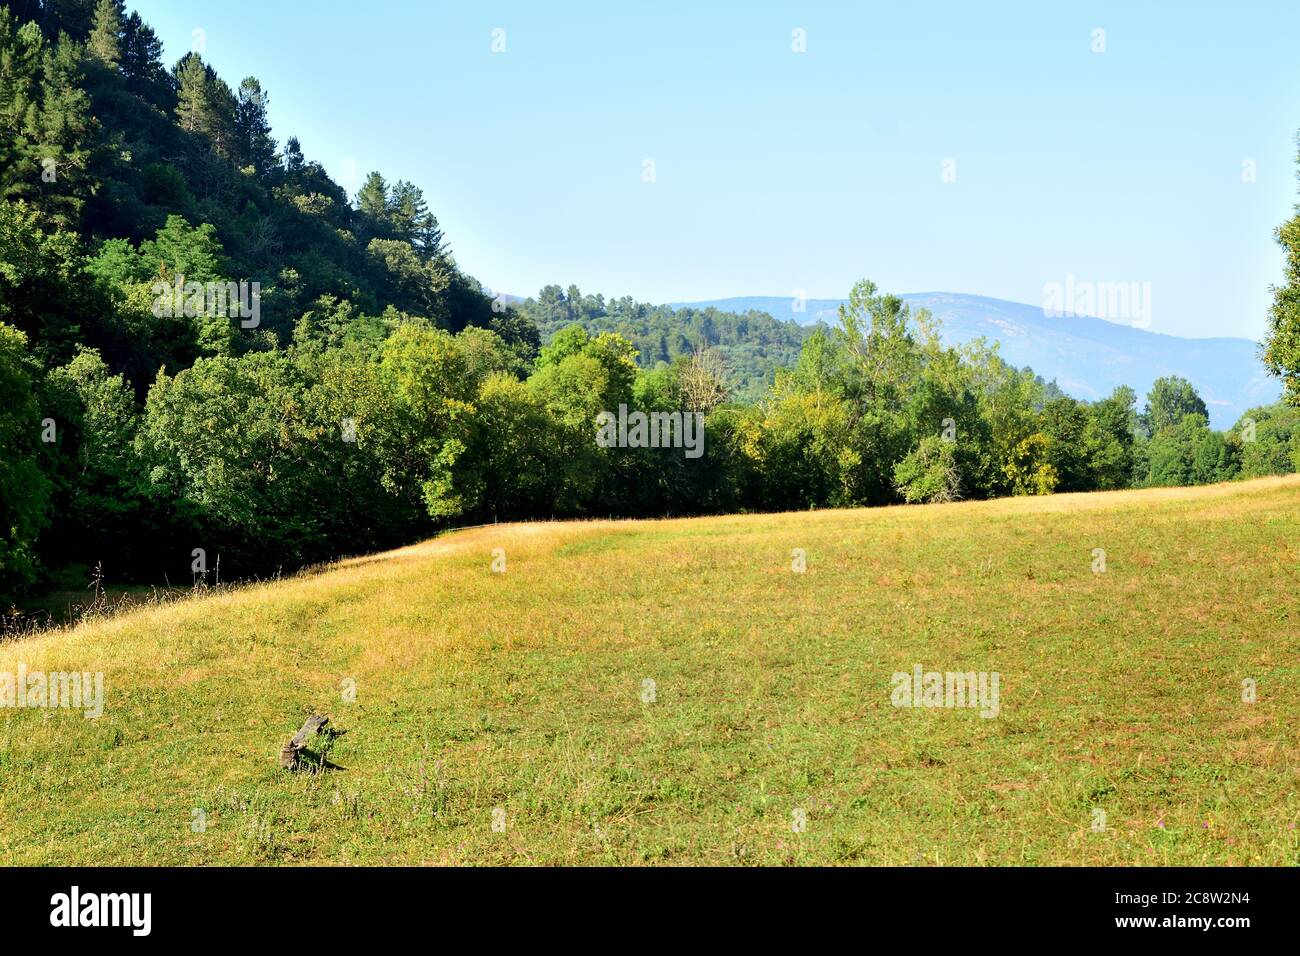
[{"x": 289, "y": 752}]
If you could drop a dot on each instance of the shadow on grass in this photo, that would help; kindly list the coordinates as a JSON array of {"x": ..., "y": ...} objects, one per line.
[{"x": 317, "y": 760}]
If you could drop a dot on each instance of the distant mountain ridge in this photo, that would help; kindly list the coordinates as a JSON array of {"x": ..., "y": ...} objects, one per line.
[{"x": 1086, "y": 356}]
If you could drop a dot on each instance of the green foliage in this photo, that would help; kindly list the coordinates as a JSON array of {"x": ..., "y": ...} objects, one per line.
[
  {"x": 101, "y": 515},
  {"x": 384, "y": 393},
  {"x": 514, "y": 469},
  {"x": 1282, "y": 344},
  {"x": 1169, "y": 401},
  {"x": 24, "y": 489},
  {"x": 1029, "y": 470},
  {"x": 1188, "y": 453},
  {"x": 1266, "y": 440},
  {"x": 255, "y": 145},
  {"x": 372, "y": 200},
  {"x": 46, "y": 127},
  {"x": 226, "y": 440},
  {"x": 256, "y": 462},
  {"x": 1109, "y": 438},
  {"x": 141, "y": 64},
  {"x": 412, "y": 221},
  {"x": 806, "y": 452},
  {"x": 411, "y": 283},
  {"x": 929, "y": 473},
  {"x": 752, "y": 346},
  {"x": 579, "y": 376},
  {"x": 181, "y": 250},
  {"x": 42, "y": 291},
  {"x": 205, "y": 105},
  {"x": 427, "y": 400},
  {"x": 1065, "y": 422},
  {"x": 105, "y": 41}
]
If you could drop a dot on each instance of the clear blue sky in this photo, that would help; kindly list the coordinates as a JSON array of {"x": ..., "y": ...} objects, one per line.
[{"x": 779, "y": 171}]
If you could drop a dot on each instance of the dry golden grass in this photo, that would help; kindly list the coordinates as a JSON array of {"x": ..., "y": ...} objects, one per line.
[{"x": 522, "y": 691}]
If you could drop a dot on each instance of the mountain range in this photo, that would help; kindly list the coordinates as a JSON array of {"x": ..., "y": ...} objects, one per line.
[{"x": 1086, "y": 356}]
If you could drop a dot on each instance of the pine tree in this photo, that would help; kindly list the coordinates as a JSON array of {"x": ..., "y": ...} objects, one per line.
[
  {"x": 294, "y": 161},
  {"x": 142, "y": 62},
  {"x": 65, "y": 130},
  {"x": 252, "y": 130},
  {"x": 372, "y": 202},
  {"x": 45, "y": 124},
  {"x": 105, "y": 43},
  {"x": 204, "y": 103},
  {"x": 20, "y": 58},
  {"x": 412, "y": 221},
  {"x": 191, "y": 93},
  {"x": 73, "y": 17}
]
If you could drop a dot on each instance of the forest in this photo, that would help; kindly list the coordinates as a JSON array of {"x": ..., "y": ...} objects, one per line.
[
  {"x": 750, "y": 346},
  {"x": 383, "y": 395}
]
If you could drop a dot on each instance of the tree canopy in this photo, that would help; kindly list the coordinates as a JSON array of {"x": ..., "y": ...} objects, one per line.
[{"x": 374, "y": 392}]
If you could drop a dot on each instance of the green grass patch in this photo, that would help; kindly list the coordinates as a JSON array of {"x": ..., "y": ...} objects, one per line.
[{"x": 768, "y": 735}]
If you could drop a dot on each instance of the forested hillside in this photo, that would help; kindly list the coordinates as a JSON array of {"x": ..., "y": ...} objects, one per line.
[
  {"x": 750, "y": 346},
  {"x": 211, "y": 354},
  {"x": 1087, "y": 356}
]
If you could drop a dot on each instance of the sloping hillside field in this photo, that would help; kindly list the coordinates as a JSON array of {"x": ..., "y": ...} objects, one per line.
[{"x": 951, "y": 684}]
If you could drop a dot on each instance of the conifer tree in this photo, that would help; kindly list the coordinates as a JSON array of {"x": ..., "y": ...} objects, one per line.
[
  {"x": 141, "y": 59},
  {"x": 252, "y": 130},
  {"x": 294, "y": 161},
  {"x": 204, "y": 103},
  {"x": 44, "y": 121},
  {"x": 372, "y": 202},
  {"x": 105, "y": 43},
  {"x": 73, "y": 17},
  {"x": 412, "y": 221},
  {"x": 191, "y": 93}
]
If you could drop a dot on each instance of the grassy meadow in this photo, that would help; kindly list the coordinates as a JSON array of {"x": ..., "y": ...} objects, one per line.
[{"x": 768, "y": 735}]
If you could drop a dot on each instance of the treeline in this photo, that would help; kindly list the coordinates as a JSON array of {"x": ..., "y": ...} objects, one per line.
[
  {"x": 751, "y": 346},
  {"x": 380, "y": 394}
]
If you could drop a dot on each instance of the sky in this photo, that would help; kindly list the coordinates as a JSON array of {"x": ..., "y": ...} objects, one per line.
[{"x": 681, "y": 151}]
